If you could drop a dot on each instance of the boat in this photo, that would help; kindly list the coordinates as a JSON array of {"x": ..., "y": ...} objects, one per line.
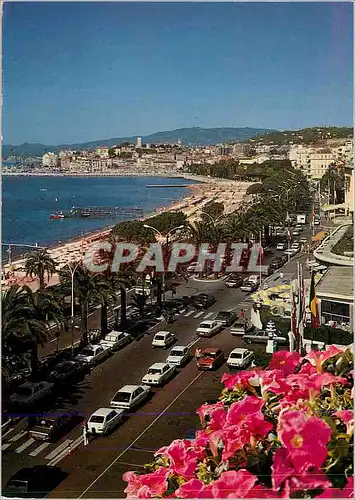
[
  {"x": 43, "y": 189},
  {"x": 57, "y": 215}
]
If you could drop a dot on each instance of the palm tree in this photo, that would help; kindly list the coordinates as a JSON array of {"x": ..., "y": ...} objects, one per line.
[
  {"x": 85, "y": 289},
  {"x": 39, "y": 264},
  {"x": 15, "y": 336}
]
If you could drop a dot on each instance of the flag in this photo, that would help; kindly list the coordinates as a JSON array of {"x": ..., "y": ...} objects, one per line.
[
  {"x": 294, "y": 328},
  {"x": 289, "y": 237},
  {"x": 313, "y": 304},
  {"x": 301, "y": 306}
]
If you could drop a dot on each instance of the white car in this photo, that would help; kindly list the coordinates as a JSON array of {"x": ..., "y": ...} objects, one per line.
[
  {"x": 303, "y": 240},
  {"x": 163, "y": 339},
  {"x": 93, "y": 354},
  {"x": 158, "y": 374},
  {"x": 290, "y": 251},
  {"x": 249, "y": 286},
  {"x": 31, "y": 392},
  {"x": 208, "y": 328},
  {"x": 240, "y": 358},
  {"x": 130, "y": 396},
  {"x": 104, "y": 420},
  {"x": 178, "y": 355},
  {"x": 115, "y": 340},
  {"x": 296, "y": 232},
  {"x": 281, "y": 246},
  {"x": 295, "y": 246}
]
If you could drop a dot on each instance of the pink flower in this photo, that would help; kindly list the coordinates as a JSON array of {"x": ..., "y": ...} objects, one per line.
[
  {"x": 274, "y": 381},
  {"x": 307, "y": 369},
  {"x": 216, "y": 415},
  {"x": 285, "y": 361},
  {"x": 146, "y": 485},
  {"x": 241, "y": 380},
  {"x": 242, "y": 410},
  {"x": 183, "y": 456},
  {"x": 326, "y": 378},
  {"x": 260, "y": 491},
  {"x": 346, "y": 492},
  {"x": 305, "y": 437},
  {"x": 233, "y": 484},
  {"x": 293, "y": 478},
  {"x": 317, "y": 358},
  {"x": 346, "y": 416},
  {"x": 201, "y": 438},
  {"x": 194, "y": 488}
]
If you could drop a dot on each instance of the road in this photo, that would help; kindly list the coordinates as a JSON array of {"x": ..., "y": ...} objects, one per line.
[{"x": 95, "y": 471}]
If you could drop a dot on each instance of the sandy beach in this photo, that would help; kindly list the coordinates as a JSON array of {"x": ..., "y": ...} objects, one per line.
[{"x": 230, "y": 193}]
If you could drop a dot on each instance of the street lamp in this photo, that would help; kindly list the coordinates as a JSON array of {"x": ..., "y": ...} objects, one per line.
[
  {"x": 167, "y": 242},
  {"x": 212, "y": 219},
  {"x": 72, "y": 268}
]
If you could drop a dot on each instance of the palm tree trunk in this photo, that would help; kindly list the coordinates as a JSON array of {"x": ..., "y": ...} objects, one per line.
[
  {"x": 84, "y": 322},
  {"x": 123, "y": 305},
  {"x": 104, "y": 320},
  {"x": 41, "y": 280},
  {"x": 34, "y": 357}
]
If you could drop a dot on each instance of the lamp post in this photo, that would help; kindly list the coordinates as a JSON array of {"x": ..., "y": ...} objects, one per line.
[
  {"x": 72, "y": 268},
  {"x": 212, "y": 219},
  {"x": 167, "y": 242}
]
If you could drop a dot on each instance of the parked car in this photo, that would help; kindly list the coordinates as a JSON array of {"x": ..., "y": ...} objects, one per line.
[
  {"x": 210, "y": 358},
  {"x": 226, "y": 318},
  {"x": 303, "y": 240},
  {"x": 240, "y": 358},
  {"x": 249, "y": 286},
  {"x": 299, "y": 227},
  {"x": 104, "y": 420},
  {"x": 281, "y": 246},
  {"x": 68, "y": 372},
  {"x": 261, "y": 337},
  {"x": 158, "y": 373},
  {"x": 163, "y": 339},
  {"x": 130, "y": 396},
  {"x": 34, "y": 482},
  {"x": 204, "y": 300},
  {"x": 53, "y": 425},
  {"x": 290, "y": 251},
  {"x": 93, "y": 354},
  {"x": 276, "y": 263},
  {"x": 317, "y": 222},
  {"x": 239, "y": 327},
  {"x": 295, "y": 246},
  {"x": 296, "y": 232},
  {"x": 208, "y": 328},
  {"x": 233, "y": 281},
  {"x": 115, "y": 340},
  {"x": 31, "y": 392},
  {"x": 178, "y": 356}
]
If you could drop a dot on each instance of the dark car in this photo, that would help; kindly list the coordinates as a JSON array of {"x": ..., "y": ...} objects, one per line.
[
  {"x": 276, "y": 263},
  {"x": 68, "y": 372},
  {"x": 51, "y": 426},
  {"x": 261, "y": 337},
  {"x": 34, "y": 482},
  {"x": 204, "y": 300},
  {"x": 233, "y": 281},
  {"x": 227, "y": 318}
]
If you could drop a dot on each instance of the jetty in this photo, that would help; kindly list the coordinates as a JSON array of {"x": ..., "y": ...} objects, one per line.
[{"x": 99, "y": 213}]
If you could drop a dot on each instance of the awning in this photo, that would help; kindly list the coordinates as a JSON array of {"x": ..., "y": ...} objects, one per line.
[
  {"x": 330, "y": 208},
  {"x": 319, "y": 236}
]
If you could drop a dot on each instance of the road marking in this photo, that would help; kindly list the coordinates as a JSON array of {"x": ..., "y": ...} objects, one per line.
[
  {"x": 189, "y": 314},
  {"x": 5, "y": 446},
  {"x": 131, "y": 465},
  {"x": 75, "y": 343},
  {"x": 25, "y": 445},
  {"x": 193, "y": 342},
  {"x": 7, "y": 432},
  {"x": 18, "y": 436},
  {"x": 40, "y": 448},
  {"x": 199, "y": 314},
  {"x": 141, "y": 434},
  {"x": 64, "y": 453},
  {"x": 58, "y": 449},
  {"x": 208, "y": 315}
]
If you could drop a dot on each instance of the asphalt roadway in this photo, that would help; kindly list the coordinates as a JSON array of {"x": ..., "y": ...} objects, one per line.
[{"x": 95, "y": 471}]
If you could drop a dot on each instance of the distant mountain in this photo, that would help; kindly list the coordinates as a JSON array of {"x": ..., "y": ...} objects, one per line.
[{"x": 190, "y": 137}]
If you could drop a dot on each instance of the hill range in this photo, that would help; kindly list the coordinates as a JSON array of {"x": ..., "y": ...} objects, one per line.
[{"x": 194, "y": 136}]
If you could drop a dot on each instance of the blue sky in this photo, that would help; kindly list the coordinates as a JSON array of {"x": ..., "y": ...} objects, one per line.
[{"x": 75, "y": 72}]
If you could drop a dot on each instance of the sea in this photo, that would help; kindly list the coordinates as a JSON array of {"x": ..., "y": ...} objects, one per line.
[{"x": 28, "y": 202}]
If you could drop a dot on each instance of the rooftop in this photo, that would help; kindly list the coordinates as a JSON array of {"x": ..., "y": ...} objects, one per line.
[{"x": 337, "y": 283}]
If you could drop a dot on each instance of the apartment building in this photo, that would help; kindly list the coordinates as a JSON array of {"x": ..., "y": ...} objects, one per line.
[
  {"x": 298, "y": 155},
  {"x": 318, "y": 163},
  {"x": 49, "y": 160},
  {"x": 102, "y": 151}
]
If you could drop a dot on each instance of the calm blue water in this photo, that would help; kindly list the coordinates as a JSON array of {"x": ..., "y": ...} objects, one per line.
[{"x": 26, "y": 209}]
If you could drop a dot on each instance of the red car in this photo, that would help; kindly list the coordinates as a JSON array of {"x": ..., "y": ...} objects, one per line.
[{"x": 209, "y": 358}]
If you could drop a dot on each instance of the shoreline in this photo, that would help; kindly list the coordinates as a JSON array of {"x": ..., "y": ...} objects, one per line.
[{"x": 231, "y": 193}]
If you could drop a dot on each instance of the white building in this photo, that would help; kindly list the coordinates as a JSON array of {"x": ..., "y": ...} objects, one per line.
[
  {"x": 319, "y": 162},
  {"x": 102, "y": 151},
  {"x": 139, "y": 142},
  {"x": 49, "y": 160},
  {"x": 298, "y": 156}
]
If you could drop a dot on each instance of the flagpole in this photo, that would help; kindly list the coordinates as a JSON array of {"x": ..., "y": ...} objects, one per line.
[{"x": 260, "y": 257}]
